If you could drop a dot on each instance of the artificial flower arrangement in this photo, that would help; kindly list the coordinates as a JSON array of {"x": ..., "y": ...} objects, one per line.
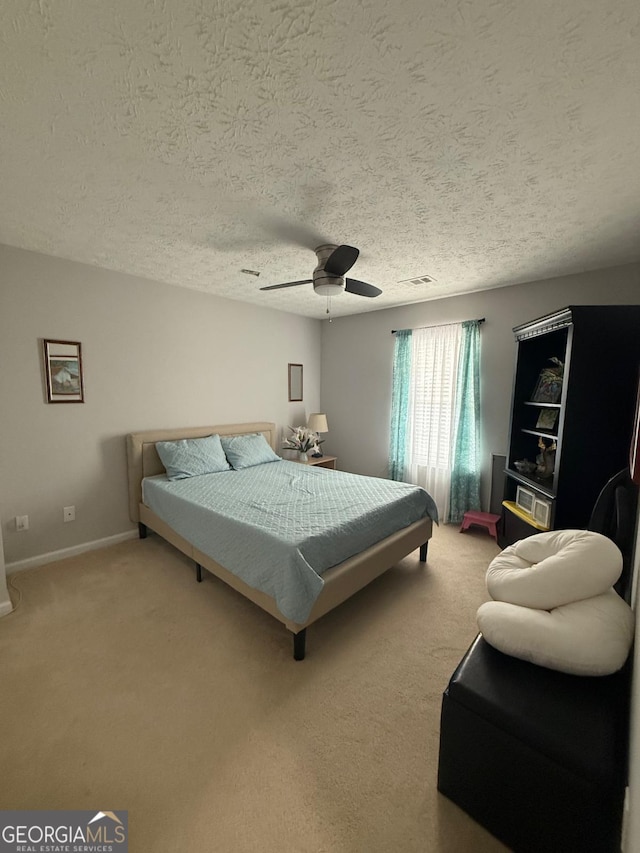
[{"x": 303, "y": 440}]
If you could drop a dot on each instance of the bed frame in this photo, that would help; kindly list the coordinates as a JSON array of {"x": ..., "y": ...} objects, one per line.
[{"x": 340, "y": 582}]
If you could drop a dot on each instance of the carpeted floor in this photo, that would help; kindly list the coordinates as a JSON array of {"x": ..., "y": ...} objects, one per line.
[{"x": 127, "y": 685}]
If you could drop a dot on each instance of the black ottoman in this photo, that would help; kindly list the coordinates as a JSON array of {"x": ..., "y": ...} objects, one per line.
[{"x": 537, "y": 757}]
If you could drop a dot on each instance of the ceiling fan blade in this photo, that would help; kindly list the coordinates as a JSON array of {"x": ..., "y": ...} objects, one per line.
[
  {"x": 360, "y": 288},
  {"x": 341, "y": 260},
  {"x": 287, "y": 284}
]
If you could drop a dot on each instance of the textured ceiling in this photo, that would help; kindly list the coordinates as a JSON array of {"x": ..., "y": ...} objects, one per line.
[{"x": 485, "y": 143}]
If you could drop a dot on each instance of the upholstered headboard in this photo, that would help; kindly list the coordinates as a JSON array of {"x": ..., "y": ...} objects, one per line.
[{"x": 143, "y": 460}]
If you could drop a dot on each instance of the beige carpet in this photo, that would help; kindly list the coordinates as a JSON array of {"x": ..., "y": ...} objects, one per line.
[{"x": 127, "y": 685}]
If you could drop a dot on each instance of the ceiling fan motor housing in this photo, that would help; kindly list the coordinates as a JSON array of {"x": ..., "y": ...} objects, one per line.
[{"x": 323, "y": 283}]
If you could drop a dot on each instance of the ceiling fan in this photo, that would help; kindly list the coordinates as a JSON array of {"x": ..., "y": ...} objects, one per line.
[{"x": 328, "y": 277}]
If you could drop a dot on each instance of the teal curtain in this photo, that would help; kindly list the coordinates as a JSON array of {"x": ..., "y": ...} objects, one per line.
[
  {"x": 465, "y": 468},
  {"x": 400, "y": 404}
]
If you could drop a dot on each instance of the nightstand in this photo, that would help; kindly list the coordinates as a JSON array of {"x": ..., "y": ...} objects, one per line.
[{"x": 321, "y": 462}]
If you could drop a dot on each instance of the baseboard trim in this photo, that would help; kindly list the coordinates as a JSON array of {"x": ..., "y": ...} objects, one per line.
[
  {"x": 6, "y": 607},
  {"x": 52, "y": 556}
]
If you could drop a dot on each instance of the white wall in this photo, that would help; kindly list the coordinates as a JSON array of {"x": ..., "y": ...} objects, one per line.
[{"x": 154, "y": 356}]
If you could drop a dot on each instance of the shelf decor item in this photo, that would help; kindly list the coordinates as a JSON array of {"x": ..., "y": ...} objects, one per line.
[
  {"x": 525, "y": 499},
  {"x": 523, "y": 466},
  {"x": 549, "y": 386},
  {"x": 546, "y": 459},
  {"x": 547, "y": 419},
  {"x": 542, "y": 511}
]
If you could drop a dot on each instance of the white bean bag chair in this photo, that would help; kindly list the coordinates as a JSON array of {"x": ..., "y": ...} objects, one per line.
[
  {"x": 550, "y": 569},
  {"x": 588, "y": 637}
]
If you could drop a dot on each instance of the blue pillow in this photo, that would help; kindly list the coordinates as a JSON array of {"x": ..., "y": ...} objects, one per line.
[
  {"x": 245, "y": 451},
  {"x": 189, "y": 457}
]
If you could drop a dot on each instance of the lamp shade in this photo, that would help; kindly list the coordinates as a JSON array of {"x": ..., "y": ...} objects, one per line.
[{"x": 318, "y": 422}]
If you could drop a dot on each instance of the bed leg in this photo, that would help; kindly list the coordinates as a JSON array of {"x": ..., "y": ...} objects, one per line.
[
  {"x": 198, "y": 572},
  {"x": 142, "y": 530},
  {"x": 423, "y": 552},
  {"x": 299, "y": 641}
]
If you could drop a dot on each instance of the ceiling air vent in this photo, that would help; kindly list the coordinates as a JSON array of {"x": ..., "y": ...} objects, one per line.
[{"x": 422, "y": 279}]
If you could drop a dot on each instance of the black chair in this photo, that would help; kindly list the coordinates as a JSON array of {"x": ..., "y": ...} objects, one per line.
[
  {"x": 539, "y": 757},
  {"x": 614, "y": 515}
]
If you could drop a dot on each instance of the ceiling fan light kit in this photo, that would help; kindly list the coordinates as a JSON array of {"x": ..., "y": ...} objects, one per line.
[
  {"x": 328, "y": 276},
  {"x": 327, "y": 285}
]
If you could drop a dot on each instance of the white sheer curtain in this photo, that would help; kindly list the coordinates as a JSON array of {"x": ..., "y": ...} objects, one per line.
[{"x": 432, "y": 408}]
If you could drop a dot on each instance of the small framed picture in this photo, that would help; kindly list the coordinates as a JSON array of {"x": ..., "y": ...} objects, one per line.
[
  {"x": 549, "y": 385},
  {"x": 542, "y": 511},
  {"x": 525, "y": 499},
  {"x": 63, "y": 371},
  {"x": 548, "y": 389},
  {"x": 295, "y": 382},
  {"x": 547, "y": 419}
]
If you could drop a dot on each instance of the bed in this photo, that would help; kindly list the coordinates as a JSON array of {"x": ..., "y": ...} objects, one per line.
[{"x": 296, "y": 579}]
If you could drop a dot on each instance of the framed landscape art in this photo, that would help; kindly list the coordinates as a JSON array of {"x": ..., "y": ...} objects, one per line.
[{"x": 63, "y": 371}]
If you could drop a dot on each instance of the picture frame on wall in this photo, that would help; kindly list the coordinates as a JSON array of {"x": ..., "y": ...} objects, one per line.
[
  {"x": 63, "y": 371},
  {"x": 295, "y": 383}
]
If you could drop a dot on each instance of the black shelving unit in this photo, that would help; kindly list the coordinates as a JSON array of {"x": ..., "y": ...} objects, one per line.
[{"x": 590, "y": 424}]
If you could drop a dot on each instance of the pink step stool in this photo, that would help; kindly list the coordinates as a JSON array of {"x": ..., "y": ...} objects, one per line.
[{"x": 482, "y": 519}]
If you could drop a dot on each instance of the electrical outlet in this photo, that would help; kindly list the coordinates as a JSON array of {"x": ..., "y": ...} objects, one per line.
[
  {"x": 69, "y": 513},
  {"x": 22, "y": 522}
]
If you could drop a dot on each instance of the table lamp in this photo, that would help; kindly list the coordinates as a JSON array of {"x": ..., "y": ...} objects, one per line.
[{"x": 318, "y": 423}]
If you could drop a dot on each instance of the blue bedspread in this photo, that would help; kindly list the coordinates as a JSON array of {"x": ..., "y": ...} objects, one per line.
[{"x": 280, "y": 525}]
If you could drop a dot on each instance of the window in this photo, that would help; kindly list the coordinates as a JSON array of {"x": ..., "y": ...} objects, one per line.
[{"x": 435, "y": 414}]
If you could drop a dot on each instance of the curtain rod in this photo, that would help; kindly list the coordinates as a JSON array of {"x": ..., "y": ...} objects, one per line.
[{"x": 436, "y": 325}]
